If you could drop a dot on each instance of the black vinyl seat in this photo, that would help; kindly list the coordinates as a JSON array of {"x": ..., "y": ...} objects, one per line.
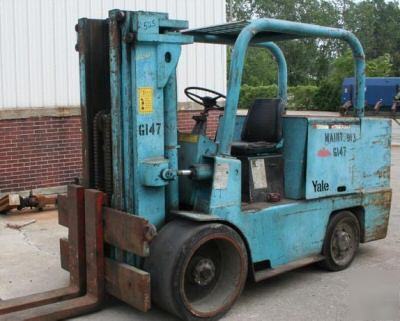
[{"x": 262, "y": 129}]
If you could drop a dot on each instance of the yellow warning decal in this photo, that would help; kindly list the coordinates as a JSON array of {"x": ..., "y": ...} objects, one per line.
[{"x": 145, "y": 100}]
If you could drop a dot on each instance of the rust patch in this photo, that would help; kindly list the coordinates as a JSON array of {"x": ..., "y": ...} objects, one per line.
[
  {"x": 128, "y": 284},
  {"x": 379, "y": 226},
  {"x": 380, "y": 231},
  {"x": 382, "y": 199},
  {"x": 127, "y": 232},
  {"x": 383, "y": 172}
]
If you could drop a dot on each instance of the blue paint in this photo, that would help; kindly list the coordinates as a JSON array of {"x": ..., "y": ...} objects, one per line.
[
  {"x": 239, "y": 123},
  {"x": 294, "y": 154},
  {"x": 171, "y": 139},
  {"x": 140, "y": 134},
  {"x": 225, "y": 195},
  {"x": 335, "y": 150},
  {"x": 332, "y": 147},
  {"x": 282, "y": 70},
  {"x": 194, "y": 149},
  {"x": 284, "y": 233}
]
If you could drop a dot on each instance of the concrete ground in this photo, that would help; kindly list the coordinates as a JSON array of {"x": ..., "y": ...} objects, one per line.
[
  {"x": 395, "y": 133},
  {"x": 368, "y": 290}
]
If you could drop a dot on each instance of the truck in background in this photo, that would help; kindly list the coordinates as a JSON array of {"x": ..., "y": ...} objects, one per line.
[{"x": 382, "y": 96}]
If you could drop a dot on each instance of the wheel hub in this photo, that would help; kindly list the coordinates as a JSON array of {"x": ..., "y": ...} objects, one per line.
[
  {"x": 344, "y": 241},
  {"x": 203, "y": 272}
]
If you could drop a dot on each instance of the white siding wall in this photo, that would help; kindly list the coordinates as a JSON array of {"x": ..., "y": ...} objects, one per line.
[{"x": 38, "y": 63}]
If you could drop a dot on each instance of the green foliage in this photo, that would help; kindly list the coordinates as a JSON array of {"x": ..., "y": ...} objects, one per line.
[
  {"x": 249, "y": 93},
  {"x": 343, "y": 67},
  {"x": 376, "y": 23},
  {"x": 302, "y": 97},
  {"x": 380, "y": 66},
  {"x": 299, "y": 97},
  {"x": 260, "y": 68},
  {"x": 327, "y": 96},
  {"x": 322, "y": 62}
]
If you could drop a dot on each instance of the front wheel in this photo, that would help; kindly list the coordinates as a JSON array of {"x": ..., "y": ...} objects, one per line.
[
  {"x": 341, "y": 241},
  {"x": 197, "y": 270}
]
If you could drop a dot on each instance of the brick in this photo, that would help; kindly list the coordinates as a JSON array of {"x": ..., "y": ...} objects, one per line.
[{"x": 47, "y": 151}]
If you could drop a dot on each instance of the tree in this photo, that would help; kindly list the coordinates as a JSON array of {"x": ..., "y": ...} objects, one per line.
[
  {"x": 325, "y": 62},
  {"x": 308, "y": 59},
  {"x": 377, "y": 24},
  {"x": 260, "y": 68},
  {"x": 380, "y": 67}
]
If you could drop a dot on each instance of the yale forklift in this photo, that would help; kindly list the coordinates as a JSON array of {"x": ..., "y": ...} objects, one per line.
[{"x": 183, "y": 220}]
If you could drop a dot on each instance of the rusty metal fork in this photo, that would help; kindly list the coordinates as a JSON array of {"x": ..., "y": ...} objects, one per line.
[{"x": 49, "y": 309}]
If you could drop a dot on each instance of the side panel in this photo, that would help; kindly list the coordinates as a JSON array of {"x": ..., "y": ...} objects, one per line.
[
  {"x": 335, "y": 156},
  {"x": 373, "y": 159},
  {"x": 294, "y": 155},
  {"x": 226, "y": 189},
  {"x": 333, "y": 147},
  {"x": 288, "y": 232}
]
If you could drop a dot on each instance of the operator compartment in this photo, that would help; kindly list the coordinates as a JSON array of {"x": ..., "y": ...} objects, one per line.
[
  {"x": 332, "y": 156},
  {"x": 260, "y": 151},
  {"x": 296, "y": 157}
]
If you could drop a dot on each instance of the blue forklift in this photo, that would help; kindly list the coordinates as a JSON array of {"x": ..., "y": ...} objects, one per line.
[{"x": 182, "y": 220}]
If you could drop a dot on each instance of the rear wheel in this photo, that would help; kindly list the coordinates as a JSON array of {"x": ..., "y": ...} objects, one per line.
[
  {"x": 341, "y": 241},
  {"x": 197, "y": 270}
]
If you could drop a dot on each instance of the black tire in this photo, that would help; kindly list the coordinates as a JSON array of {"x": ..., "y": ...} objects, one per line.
[
  {"x": 197, "y": 270},
  {"x": 342, "y": 239}
]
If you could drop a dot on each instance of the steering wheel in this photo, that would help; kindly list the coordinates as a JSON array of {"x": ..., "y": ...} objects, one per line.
[{"x": 209, "y": 102}]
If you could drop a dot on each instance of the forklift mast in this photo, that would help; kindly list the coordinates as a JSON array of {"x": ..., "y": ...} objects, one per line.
[{"x": 140, "y": 80}]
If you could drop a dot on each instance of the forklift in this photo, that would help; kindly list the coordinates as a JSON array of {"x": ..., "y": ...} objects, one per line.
[{"x": 182, "y": 220}]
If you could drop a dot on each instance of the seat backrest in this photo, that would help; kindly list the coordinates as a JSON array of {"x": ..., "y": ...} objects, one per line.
[{"x": 264, "y": 121}]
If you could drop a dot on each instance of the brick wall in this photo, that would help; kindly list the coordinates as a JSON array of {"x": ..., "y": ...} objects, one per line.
[
  {"x": 39, "y": 152},
  {"x": 46, "y": 151},
  {"x": 186, "y": 123}
]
